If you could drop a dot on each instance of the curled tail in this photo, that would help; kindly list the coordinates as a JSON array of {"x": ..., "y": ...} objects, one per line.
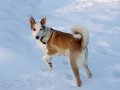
[{"x": 80, "y": 33}]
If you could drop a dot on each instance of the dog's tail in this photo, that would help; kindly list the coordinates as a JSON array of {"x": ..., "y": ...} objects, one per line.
[{"x": 81, "y": 34}]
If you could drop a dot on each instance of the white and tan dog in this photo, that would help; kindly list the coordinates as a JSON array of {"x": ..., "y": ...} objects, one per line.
[{"x": 54, "y": 42}]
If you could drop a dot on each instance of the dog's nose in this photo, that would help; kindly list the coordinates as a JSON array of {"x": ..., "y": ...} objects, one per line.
[{"x": 37, "y": 37}]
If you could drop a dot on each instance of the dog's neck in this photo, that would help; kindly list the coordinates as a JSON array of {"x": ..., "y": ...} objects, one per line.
[{"x": 48, "y": 32}]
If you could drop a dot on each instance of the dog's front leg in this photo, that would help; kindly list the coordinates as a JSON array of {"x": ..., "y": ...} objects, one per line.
[{"x": 47, "y": 60}]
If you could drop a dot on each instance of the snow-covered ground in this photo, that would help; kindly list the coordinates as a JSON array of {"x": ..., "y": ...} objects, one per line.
[{"x": 21, "y": 65}]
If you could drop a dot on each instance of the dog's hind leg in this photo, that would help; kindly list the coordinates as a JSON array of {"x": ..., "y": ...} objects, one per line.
[
  {"x": 89, "y": 74},
  {"x": 73, "y": 62}
]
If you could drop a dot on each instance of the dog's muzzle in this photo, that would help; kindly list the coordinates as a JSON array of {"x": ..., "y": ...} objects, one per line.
[{"x": 37, "y": 37}]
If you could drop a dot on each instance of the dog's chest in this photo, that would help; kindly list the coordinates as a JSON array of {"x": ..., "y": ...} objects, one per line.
[{"x": 42, "y": 46}]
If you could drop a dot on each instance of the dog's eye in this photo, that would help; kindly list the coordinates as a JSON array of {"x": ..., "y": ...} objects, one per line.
[
  {"x": 40, "y": 29},
  {"x": 34, "y": 29}
]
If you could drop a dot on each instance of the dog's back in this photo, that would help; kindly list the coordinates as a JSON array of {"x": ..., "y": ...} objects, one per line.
[{"x": 61, "y": 42}]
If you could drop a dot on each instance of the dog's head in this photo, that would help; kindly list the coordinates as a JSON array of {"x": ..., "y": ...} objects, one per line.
[{"x": 37, "y": 27}]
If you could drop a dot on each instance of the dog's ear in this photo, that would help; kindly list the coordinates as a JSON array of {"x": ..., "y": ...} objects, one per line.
[
  {"x": 32, "y": 22},
  {"x": 43, "y": 21}
]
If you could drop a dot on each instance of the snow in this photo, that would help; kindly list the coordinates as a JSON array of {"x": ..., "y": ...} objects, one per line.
[
  {"x": 21, "y": 65},
  {"x": 81, "y": 5}
]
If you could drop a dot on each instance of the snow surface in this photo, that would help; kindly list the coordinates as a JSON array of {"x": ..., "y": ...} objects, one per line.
[{"x": 21, "y": 65}]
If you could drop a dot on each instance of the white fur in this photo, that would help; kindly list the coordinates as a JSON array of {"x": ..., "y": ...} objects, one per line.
[
  {"x": 77, "y": 36},
  {"x": 81, "y": 60},
  {"x": 47, "y": 60},
  {"x": 37, "y": 27},
  {"x": 35, "y": 33},
  {"x": 84, "y": 33},
  {"x": 42, "y": 46}
]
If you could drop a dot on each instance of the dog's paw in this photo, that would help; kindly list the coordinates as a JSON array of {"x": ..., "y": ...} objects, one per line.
[
  {"x": 50, "y": 64},
  {"x": 90, "y": 75}
]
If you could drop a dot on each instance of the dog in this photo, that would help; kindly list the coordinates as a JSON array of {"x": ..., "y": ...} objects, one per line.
[{"x": 54, "y": 42}]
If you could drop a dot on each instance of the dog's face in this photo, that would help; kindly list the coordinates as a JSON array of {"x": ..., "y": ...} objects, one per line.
[{"x": 37, "y": 28}]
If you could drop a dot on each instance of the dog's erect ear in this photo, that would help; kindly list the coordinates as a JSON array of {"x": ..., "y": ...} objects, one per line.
[
  {"x": 32, "y": 22},
  {"x": 43, "y": 21}
]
